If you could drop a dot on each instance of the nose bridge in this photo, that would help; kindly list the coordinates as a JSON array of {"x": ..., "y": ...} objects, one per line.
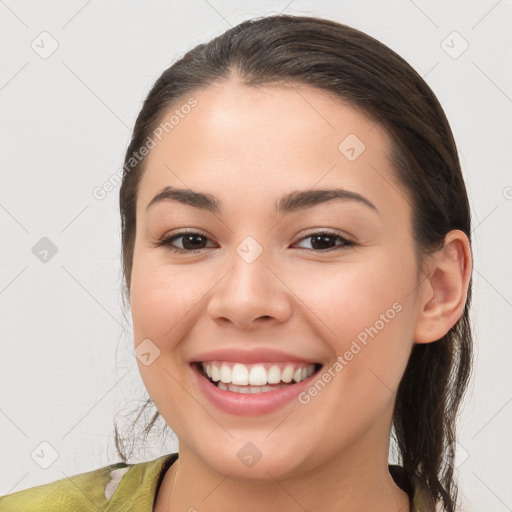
[
  {"x": 249, "y": 290},
  {"x": 250, "y": 250},
  {"x": 249, "y": 277}
]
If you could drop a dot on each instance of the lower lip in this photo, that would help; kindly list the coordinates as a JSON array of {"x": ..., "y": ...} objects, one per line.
[{"x": 250, "y": 404}]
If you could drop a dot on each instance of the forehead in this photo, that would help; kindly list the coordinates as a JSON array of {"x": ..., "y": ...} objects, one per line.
[{"x": 267, "y": 141}]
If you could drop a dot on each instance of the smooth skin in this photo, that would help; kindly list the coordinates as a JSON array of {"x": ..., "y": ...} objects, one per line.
[{"x": 248, "y": 147}]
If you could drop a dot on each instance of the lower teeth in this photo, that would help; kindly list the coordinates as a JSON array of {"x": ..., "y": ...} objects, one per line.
[{"x": 249, "y": 389}]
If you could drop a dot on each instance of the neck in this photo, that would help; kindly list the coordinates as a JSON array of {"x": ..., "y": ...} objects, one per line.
[{"x": 341, "y": 482}]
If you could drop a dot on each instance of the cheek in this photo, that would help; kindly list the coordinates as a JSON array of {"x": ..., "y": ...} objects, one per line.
[
  {"x": 161, "y": 299},
  {"x": 365, "y": 315},
  {"x": 162, "y": 302},
  {"x": 350, "y": 297}
]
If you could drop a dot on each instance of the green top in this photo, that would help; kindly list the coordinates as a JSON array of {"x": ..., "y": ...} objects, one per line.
[{"x": 133, "y": 488}]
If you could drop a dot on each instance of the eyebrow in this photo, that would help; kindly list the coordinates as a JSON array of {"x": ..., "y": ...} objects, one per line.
[{"x": 294, "y": 201}]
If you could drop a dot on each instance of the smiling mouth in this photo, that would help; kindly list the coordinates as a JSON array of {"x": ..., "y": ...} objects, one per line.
[{"x": 255, "y": 378}]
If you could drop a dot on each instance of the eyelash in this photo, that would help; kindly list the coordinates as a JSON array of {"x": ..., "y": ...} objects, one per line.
[{"x": 166, "y": 241}]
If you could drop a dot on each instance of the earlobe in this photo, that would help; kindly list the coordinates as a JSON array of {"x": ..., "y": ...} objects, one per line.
[{"x": 444, "y": 291}]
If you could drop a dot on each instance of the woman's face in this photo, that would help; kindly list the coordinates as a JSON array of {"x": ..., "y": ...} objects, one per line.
[{"x": 261, "y": 279}]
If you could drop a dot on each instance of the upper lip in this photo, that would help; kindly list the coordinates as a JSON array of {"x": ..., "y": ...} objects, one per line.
[{"x": 256, "y": 355}]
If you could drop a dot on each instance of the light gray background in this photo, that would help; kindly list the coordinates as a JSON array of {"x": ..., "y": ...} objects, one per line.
[{"x": 66, "y": 361}]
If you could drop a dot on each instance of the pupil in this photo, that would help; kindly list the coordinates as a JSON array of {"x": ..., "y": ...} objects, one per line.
[
  {"x": 324, "y": 241},
  {"x": 192, "y": 238}
]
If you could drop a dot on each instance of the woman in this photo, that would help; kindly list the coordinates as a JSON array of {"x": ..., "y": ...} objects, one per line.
[{"x": 296, "y": 249}]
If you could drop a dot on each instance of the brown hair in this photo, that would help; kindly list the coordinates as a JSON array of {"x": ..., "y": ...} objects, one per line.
[{"x": 370, "y": 76}]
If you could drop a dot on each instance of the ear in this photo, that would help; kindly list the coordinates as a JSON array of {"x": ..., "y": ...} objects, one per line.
[{"x": 444, "y": 291}]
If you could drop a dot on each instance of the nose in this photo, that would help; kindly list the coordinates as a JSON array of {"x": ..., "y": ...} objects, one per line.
[{"x": 250, "y": 295}]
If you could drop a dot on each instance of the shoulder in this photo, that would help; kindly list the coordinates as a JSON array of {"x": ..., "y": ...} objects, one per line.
[
  {"x": 81, "y": 492},
  {"x": 87, "y": 491}
]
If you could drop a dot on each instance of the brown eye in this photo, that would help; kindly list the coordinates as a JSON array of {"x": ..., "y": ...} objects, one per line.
[
  {"x": 191, "y": 242},
  {"x": 325, "y": 241}
]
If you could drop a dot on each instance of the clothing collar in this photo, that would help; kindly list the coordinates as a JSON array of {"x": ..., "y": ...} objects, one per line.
[{"x": 136, "y": 490}]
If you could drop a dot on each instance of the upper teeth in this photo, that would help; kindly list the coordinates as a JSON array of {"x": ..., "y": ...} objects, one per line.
[{"x": 257, "y": 374}]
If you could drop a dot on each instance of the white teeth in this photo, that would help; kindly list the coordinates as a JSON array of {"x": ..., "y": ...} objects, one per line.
[
  {"x": 256, "y": 375},
  {"x": 287, "y": 374},
  {"x": 239, "y": 375},
  {"x": 274, "y": 375},
  {"x": 225, "y": 374},
  {"x": 215, "y": 373},
  {"x": 247, "y": 389}
]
